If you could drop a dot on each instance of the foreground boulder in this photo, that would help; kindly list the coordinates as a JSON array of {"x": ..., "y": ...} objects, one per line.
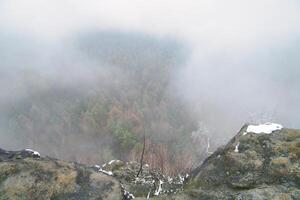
[
  {"x": 260, "y": 162},
  {"x": 261, "y": 165},
  {"x": 25, "y": 175}
]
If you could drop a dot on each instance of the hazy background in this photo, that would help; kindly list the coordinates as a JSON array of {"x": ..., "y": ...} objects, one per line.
[{"x": 231, "y": 62}]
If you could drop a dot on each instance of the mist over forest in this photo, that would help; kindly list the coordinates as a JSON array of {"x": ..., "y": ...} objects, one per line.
[{"x": 86, "y": 81}]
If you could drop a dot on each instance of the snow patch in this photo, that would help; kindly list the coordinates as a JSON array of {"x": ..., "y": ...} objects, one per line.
[
  {"x": 148, "y": 196},
  {"x": 33, "y": 152},
  {"x": 159, "y": 189},
  {"x": 128, "y": 195},
  {"x": 236, "y": 150},
  {"x": 112, "y": 161},
  {"x": 263, "y": 128},
  {"x": 97, "y": 166},
  {"x": 139, "y": 180},
  {"x": 170, "y": 179},
  {"x": 181, "y": 179},
  {"x": 106, "y": 172}
]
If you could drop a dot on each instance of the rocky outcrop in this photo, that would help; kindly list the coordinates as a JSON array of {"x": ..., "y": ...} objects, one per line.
[
  {"x": 258, "y": 163},
  {"x": 26, "y": 175},
  {"x": 251, "y": 166}
]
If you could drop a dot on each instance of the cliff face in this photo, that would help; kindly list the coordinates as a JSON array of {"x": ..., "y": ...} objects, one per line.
[{"x": 258, "y": 163}]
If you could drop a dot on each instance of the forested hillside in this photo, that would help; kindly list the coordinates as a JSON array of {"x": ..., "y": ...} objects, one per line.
[{"x": 125, "y": 93}]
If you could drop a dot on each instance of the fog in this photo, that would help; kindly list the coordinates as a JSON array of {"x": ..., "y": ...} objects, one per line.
[{"x": 237, "y": 61}]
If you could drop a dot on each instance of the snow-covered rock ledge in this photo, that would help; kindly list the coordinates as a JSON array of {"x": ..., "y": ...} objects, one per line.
[{"x": 266, "y": 128}]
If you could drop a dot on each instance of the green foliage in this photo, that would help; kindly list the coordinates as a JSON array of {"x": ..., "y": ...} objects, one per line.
[{"x": 126, "y": 139}]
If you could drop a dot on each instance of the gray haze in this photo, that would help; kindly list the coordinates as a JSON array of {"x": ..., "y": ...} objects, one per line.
[{"x": 241, "y": 63}]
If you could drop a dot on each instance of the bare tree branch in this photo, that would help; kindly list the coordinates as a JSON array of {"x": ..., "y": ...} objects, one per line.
[{"x": 142, "y": 157}]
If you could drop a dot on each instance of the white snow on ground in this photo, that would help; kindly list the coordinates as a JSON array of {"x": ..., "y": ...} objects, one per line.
[
  {"x": 236, "y": 150},
  {"x": 33, "y": 152},
  {"x": 106, "y": 172},
  {"x": 110, "y": 162},
  {"x": 139, "y": 180},
  {"x": 181, "y": 179},
  {"x": 159, "y": 189},
  {"x": 128, "y": 195},
  {"x": 170, "y": 179},
  {"x": 97, "y": 166},
  {"x": 148, "y": 196},
  {"x": 263, "y": 128}
]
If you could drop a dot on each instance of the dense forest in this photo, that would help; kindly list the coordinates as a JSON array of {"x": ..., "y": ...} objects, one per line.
[{"x": 126, "y": 93}]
